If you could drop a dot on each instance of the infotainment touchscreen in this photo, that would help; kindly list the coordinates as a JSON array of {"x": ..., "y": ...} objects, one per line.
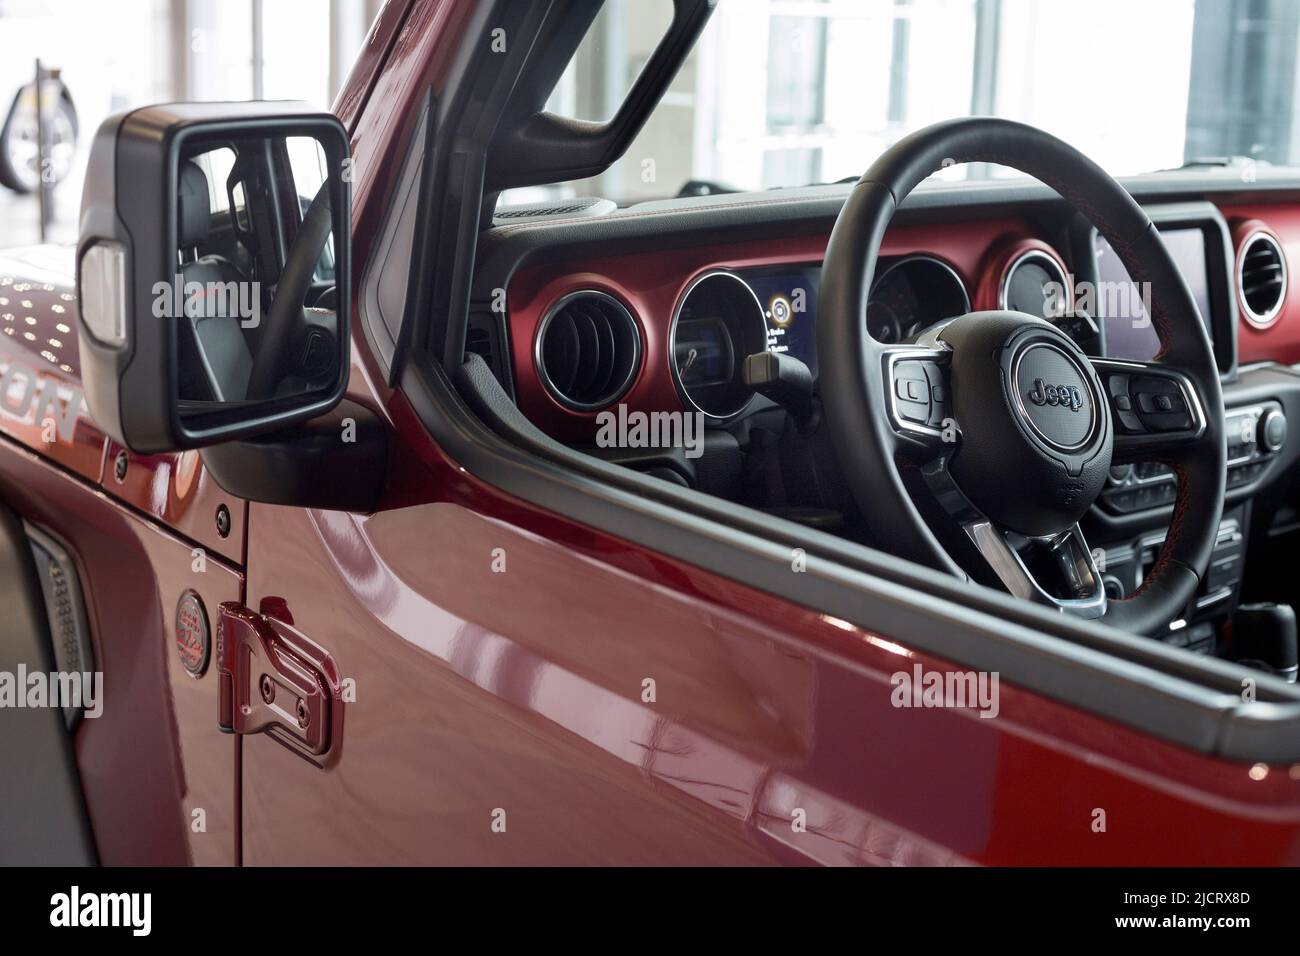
[{"x": 1121, "y": 304}]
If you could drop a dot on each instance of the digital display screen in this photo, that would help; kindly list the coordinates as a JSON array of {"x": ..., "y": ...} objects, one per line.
[
  {"x": 789, "y": 301},
  {"x": 1121, "y": 304}
]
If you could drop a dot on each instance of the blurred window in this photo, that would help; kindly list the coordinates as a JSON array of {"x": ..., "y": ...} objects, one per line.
[{"x": 781, "y": 93}]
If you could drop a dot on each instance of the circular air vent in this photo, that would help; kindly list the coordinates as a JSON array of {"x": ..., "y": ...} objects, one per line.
[
  {"x": 1261, "y": 277},
  {"x": 588, "y": 350}
]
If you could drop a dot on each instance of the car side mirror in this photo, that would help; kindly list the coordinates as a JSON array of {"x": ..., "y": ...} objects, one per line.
[{"x": 213, "y": 272}]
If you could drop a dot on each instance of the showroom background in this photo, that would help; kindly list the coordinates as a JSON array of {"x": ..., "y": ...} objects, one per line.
[
  {"x": 843, "y": 79},
  {"x": 125, "y": 53}
]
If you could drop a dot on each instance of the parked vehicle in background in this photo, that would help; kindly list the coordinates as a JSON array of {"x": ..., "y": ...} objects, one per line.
[{"x": 20, "y": 160}]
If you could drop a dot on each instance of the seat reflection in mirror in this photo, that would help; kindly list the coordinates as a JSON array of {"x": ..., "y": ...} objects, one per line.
[
  {"x": 230, "y": 299},
  {"x": 253, "y": 293}
]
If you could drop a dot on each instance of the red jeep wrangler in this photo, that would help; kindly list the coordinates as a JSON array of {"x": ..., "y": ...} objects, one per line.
[{"x": 352, "y": 515}]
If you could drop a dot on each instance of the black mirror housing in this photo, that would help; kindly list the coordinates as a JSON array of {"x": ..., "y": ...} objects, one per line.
[{"x": 135, "y": 336}]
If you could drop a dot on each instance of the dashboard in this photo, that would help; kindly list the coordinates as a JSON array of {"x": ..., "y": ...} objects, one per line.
[
  {"x": 659, "y": 306},
  {"x": 725, "y": 316}
]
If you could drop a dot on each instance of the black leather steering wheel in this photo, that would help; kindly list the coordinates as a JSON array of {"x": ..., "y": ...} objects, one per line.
[
  {"x": 994, "y": 432},
  {"x": 286, "y": 313}
]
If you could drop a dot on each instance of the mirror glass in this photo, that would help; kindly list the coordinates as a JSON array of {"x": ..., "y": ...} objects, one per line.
[{"x": 256, "y": 284}]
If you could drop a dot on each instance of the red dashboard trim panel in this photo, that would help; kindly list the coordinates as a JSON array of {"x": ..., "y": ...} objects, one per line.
[
  {"x": 1280, "y": 342},
  {"x": 999, "y": 259},
  {"x": 652, "y": 284}
]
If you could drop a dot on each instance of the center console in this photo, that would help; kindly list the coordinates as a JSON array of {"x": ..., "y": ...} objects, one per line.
[
  {"x": 1133, "y": 511},
  {"x": 1255, "y": 435}
]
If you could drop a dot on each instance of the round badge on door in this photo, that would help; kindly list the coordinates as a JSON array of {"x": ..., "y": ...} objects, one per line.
[{"x": 193, "y": 640}]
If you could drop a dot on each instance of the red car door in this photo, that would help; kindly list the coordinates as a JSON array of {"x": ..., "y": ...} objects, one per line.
[{"x": 528, "y": 690}]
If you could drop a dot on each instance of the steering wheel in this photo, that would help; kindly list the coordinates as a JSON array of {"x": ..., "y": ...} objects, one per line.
[
  {"x": 977, "y": 448},
  {"x": 286, "y": 313}
]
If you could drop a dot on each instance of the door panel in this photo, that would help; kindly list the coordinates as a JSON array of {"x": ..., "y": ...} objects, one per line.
[
  {"x": 177, "y": 491},
  {"x": 522, "y": 690},
  {"x": 451, "y": 719}
]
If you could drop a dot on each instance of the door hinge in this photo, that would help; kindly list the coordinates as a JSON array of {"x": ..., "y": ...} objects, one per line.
[{"x": 273, "y": 680}]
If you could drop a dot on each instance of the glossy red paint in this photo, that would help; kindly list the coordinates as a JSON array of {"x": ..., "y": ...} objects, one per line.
[
  {"x": 521, "y": 691},
  {"x": 37, "y": 311},
  {"x": 381, "y": 109},
  {"x": 153, "y": 757},
  {"x": 177, "y": 490},
  {"x": 38, "y": 340},
  {"x": 1280, "y": 342},
  {"x": 370, "y": 59},
  {"x": 652, "y": 286}
]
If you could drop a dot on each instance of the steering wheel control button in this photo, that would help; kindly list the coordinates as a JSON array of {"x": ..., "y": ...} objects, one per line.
[
  {"x": 939, "y": 409},
  {"x": 1272, "y": 430},
  {"x": 1161, "y": 405},
  {"x": 1126, "y": 419},
  {"x": 913, "y": 390}
]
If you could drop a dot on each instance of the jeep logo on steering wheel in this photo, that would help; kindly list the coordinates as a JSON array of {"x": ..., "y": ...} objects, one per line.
[{"x": 1066, "y": 396}]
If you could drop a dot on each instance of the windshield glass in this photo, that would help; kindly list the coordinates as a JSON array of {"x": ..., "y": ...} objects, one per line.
[{"x": 781, "y": 93}]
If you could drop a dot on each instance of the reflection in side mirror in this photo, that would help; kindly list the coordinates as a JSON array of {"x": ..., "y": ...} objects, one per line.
[
  {"x": 218, "y": 309},
  {"x": 254, "y": 286}
]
